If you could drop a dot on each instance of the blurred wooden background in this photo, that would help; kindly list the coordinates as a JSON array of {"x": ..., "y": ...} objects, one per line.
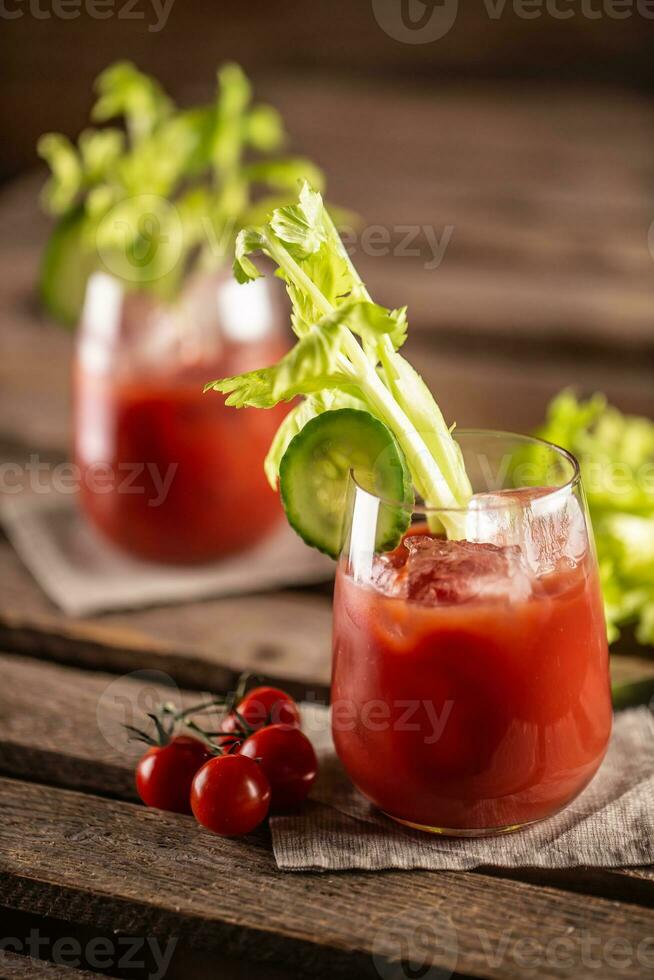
[
  {"x": 48, "y": 61},
  {"x": 524, "y": 144}
]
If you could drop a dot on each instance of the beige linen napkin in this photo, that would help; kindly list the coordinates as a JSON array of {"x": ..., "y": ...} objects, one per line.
[
  {"x": 83, "y": 574},
  {"x": 610, "y": 825}
]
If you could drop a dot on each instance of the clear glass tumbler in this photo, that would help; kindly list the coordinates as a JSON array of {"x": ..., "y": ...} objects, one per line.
[
  {"x": 470, "y": 687},
  {"x": 168, "y": 473}
]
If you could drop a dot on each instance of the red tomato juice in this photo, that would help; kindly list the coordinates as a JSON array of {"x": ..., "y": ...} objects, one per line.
[
  {"x": 169, "y": 473},
  {"x": 477, "y": 715}
]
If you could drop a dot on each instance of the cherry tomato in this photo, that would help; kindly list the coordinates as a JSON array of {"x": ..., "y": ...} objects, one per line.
[
  {"x": 264, "y": 706},
  {"x": 287, "y": 757},
  {"x": 230, "y": 795},
  {"x": 165, "y": 773}
]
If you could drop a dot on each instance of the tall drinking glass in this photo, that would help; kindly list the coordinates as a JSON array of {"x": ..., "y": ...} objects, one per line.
[{"x": 470, "y": 685}]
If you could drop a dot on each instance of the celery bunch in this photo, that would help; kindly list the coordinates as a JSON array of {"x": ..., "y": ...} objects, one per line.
[{"x": 346, "y": 354}]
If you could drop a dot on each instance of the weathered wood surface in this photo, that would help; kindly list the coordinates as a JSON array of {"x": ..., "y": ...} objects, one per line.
[
  {"x": 61, "y": 726},
  {"x": 285, "y": 636},
  {"x": 95, "y": 860},
  {"x": 16, "y": 967},
  {"x": 549, "y": 244},
  {"x": 627, "y": 668},
  {"x": 53, "y": 949},
  {"x": 64, "y": 726},
  {"x": 615, "y": 884},
  {"x": 547, "y": 279},
  {"x": 345, "y": 48},
  {"x": 478, "y": 384},
  {"x": 200, "y": 644}
]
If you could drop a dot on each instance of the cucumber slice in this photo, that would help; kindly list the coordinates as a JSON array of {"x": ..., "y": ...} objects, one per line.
[
  {"x": 314, "y": 472},
  {"x": 65, "y": 269}
]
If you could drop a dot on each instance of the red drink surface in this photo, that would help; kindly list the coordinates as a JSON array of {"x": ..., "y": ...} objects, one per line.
[
  {"x": 470, "y": 695},
  {"x": 218, "y": 500}
]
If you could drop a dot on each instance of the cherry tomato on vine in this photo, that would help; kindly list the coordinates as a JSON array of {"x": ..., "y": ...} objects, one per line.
[
  {"x": 165, "y": 773},
  {"x": 264, "y": 706},
  {"x": 230, "y": 795},
  {"x": 287, "y": 757}
]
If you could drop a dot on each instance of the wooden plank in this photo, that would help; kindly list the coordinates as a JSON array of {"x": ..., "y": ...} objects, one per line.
[
  {"x": 52, "y": 949},
  {"x": 541, "y": 242},
  {"x": 607, "y": 41},
  {"x": 286, "y": 636},
  {"x": 496, "y": 343},
  {"x": 498, "y": 389},
  {"x": 164, "y": 874},
  {"x": 34, "y": 364},
  {"x": 63, "y": 726},
  {"x": 632, "y": 885},
  {"x": 562, "y": 306},
  {"x": 628, "y": 668},
  {"x": 477, "y": 384},
  {"x": 16, "y": 967}
]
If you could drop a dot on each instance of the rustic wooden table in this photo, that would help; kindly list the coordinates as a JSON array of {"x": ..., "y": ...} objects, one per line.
[{"x": 548, "y": 281}]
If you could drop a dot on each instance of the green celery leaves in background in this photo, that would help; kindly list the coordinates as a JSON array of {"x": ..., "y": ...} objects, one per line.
[
  {"x": 165, "y": 189},
  {"x": 616, "y": 454}
]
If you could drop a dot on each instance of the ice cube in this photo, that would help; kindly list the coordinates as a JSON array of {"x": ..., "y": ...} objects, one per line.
[
  {"x": 440, "y": 571},
  {"x": 389, "y": 575},
  {"x": 547, "y": 525}
]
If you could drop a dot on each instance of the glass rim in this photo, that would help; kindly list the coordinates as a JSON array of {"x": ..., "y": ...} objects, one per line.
[{"x": 564, "y": 488}]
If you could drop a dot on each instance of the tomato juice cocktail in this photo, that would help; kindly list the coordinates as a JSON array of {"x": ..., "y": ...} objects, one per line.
[
  {"x": 169, "y": 473},
  {"x": 150, "y": 213},
  {"x": 187, "y": 482},
  {"x": 497, "y": 709},
  {"x": 470, "y": 679}
]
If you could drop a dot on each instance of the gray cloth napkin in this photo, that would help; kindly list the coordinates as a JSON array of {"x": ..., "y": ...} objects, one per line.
[
  {"x": 611, "y": 824},
  {"x": 83, "y": 574}
]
